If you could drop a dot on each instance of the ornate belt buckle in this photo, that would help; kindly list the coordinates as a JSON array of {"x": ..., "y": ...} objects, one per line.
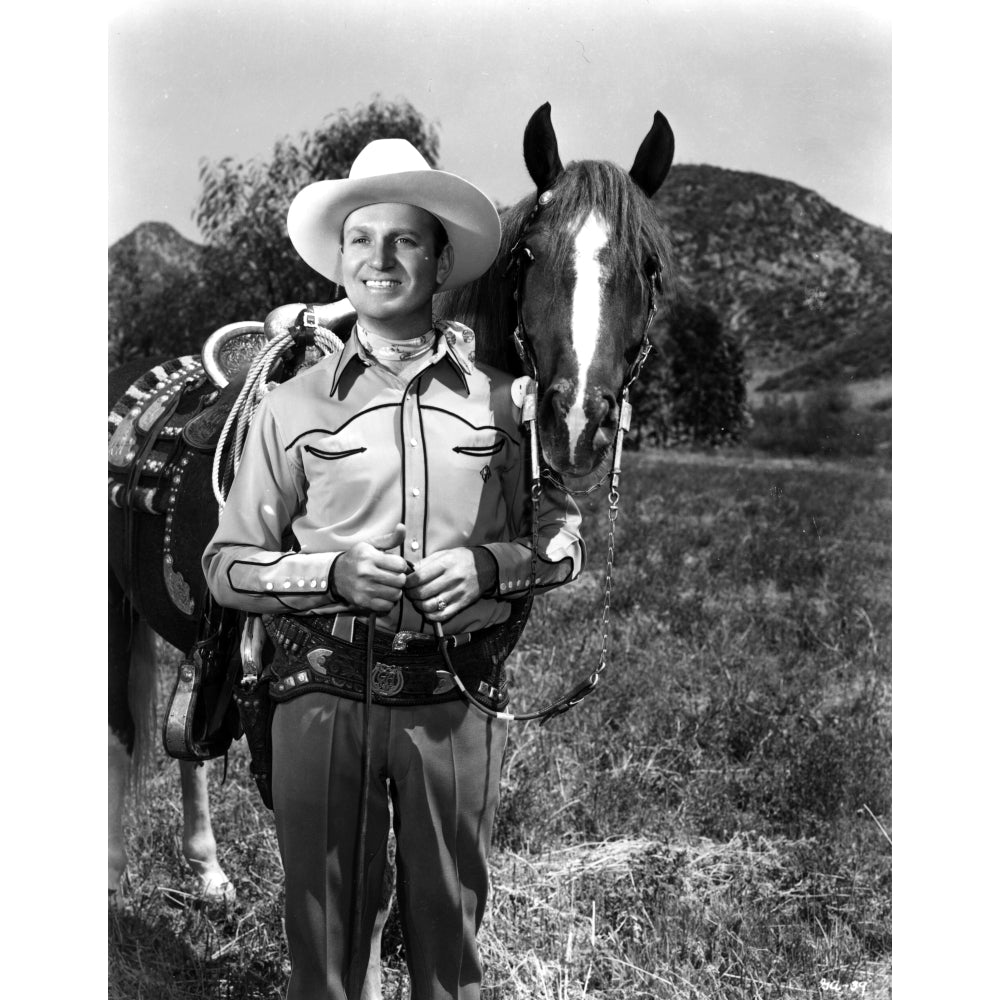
[
  {"x": 387, "y": 679},
  {"x": 402, "y": 641}
]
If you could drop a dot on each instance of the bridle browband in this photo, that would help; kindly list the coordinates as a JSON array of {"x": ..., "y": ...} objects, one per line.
[{"x": 520, "y": 257}]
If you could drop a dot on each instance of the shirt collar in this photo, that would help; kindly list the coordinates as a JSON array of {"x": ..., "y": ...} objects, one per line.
[{"x": 455, "y": 341}]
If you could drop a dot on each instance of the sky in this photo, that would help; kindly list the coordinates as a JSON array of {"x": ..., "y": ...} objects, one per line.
[{"x": 799, "y": 91}]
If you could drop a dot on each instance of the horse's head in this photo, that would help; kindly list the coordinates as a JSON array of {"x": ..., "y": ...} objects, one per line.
[{"x": 589, "y": 252}]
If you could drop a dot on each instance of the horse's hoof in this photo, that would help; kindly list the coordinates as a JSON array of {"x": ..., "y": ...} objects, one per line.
[{"x": 217, "y": 890}]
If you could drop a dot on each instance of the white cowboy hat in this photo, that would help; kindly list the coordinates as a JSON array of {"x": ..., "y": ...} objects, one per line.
[{"x": 392, "y": 170}]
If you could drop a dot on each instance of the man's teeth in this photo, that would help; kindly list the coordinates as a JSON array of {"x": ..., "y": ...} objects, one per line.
[{"x": 381, "y": 284}]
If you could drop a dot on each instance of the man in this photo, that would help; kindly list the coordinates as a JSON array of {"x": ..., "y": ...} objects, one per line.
[{"x": 389, "y": 479}]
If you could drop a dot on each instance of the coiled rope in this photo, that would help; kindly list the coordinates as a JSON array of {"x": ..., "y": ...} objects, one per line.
[{"x": 238, "y": 422}]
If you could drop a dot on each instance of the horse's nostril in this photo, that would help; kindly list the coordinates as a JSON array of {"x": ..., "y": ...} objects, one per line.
[
  {"x": 608, "y": 412},
  {"x": 602, "y": 439},
  {"x": 560, "y": 396}
]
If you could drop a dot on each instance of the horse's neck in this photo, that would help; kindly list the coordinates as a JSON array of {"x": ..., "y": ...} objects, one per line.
[{"x": 486, "y": 307}]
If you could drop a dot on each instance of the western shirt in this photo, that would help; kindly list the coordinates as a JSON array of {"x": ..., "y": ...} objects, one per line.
[{"x": 345, "y": 450}]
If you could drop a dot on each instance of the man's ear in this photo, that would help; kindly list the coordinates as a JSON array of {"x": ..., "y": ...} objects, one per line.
[{"x": 445, "y": 263}]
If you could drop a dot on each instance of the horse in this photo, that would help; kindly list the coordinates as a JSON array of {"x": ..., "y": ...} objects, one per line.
[
  {"x": 137, "y": 548},
  {"x": 582, "y": 260},
  {"x": 581, "y": 263}
]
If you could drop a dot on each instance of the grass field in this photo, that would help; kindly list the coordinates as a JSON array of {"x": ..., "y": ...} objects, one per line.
[{"x": 714, "y": 821}]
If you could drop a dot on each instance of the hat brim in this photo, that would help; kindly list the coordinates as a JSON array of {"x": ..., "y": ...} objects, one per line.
[{"x": 317, "y": 213}]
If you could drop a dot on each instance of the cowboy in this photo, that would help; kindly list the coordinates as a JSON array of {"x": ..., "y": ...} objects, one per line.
[{"x": 389, "y": 480}]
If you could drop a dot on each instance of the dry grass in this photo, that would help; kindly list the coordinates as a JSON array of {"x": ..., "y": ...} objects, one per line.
[{"x": 713, "y": 822}]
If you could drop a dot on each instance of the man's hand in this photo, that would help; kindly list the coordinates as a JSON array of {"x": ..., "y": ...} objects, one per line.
[
  {"x": 369, "y": 576},
  {"x": 453, "y": 578}
]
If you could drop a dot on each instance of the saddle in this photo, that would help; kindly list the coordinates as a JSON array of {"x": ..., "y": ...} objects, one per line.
[
  {"x": 162, "y": 433},
  {"x": 170, "y": 415},
  {"x": 178, "y": 406}
]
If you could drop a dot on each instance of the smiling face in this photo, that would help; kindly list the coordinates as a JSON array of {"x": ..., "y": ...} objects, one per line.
[{"x": 392, "y": 268}]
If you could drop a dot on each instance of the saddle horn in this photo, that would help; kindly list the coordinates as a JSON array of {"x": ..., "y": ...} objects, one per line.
[
  {"x": 656, "y": 154},
  {"x": 541, "y": 151}
]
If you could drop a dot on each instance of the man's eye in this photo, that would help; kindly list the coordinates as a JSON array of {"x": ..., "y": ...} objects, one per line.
[{"x": 406, "y": 240}]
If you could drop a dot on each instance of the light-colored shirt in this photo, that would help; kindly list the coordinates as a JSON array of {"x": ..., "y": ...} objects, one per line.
[{"x": 345, "y": 450}]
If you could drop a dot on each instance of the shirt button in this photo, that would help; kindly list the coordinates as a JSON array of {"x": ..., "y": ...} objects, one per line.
[
  {"x": 413, "y": 442},
  {"x": 414, "y": 544},
  {"x": 269, "y": 586},
  {"x": 287, "y": 584},
  {"x": 312, "y": 583},
  {"x": 302, "y": 583},
  {"x": 415, "y": 491}
]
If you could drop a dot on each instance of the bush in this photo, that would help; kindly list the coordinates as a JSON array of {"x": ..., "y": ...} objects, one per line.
[
  {"x": 693, "y": 388},
  {"x": 824, "y": 424}
]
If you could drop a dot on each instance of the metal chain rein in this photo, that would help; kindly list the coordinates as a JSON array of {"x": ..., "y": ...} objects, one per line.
[{"x": 584, "y": 688}]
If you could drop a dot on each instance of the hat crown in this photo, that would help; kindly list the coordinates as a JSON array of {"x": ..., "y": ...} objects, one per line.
[{"x": 387, "y": 156}]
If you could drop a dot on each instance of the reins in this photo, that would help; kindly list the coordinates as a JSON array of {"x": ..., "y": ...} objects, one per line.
[{"x": 520, "y": 256}]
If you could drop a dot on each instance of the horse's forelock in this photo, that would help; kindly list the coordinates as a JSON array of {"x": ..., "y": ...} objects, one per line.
[{"x": 604, "y": 188}]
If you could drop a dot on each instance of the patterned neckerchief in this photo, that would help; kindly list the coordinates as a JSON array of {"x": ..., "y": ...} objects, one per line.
[{"x": 395, "y": 354}]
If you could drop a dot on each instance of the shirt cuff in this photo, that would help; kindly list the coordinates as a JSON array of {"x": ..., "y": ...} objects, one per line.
[{"x": 335, "y": 596}]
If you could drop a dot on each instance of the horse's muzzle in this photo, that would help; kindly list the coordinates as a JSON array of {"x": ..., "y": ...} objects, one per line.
[{"x": 576, "y": 438}]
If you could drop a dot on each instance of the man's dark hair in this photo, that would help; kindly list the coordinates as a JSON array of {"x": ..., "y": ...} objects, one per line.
[{"x": 440, "y": 236}]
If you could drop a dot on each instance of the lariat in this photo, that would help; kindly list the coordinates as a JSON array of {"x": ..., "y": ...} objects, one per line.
[{"x": 229, "y": 451}]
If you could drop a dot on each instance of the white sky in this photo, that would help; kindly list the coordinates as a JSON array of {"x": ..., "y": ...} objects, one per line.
[{"x": 800, "y": 91}]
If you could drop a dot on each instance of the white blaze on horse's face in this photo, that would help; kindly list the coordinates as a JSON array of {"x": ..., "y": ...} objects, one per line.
[{"x": 586, "y": 317}]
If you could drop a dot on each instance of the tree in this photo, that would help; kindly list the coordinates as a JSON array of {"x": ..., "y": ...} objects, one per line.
[
  {"x": 243, "y": 206},
  {"x": 693, "y": 387}
]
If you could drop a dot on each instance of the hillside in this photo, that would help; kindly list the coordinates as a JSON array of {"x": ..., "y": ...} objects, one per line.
[
  {"x": 152, "y": 274},
  {"x": 807, "y": 287},
  {"x": 152, "y": 253}
]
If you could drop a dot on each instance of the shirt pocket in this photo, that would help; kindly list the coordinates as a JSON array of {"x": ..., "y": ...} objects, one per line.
[
  {"x": 336, "y": 461},
  {"x": 479, "y": 456},
  {"x": 486, "y": 444},
  {"x": 329, "y": 454}
]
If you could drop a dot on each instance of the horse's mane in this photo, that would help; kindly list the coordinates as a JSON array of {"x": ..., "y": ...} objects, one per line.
[{"x": 487, "y": 304}]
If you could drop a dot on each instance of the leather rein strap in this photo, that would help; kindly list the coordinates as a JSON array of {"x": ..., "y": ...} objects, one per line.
[{"x": 521, "y": 256}]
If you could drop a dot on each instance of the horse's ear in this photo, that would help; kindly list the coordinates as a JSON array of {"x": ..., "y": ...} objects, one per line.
[
  {"x": 652, "y": 162},
  {"x": 541, "y": 151}
]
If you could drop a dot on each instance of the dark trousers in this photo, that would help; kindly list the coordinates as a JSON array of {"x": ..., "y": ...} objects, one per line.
[{"x": 441, "y": 766}]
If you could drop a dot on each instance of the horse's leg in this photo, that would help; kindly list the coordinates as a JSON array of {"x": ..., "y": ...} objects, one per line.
[
  {"x": 372, "y": 989},
  {"x": 198, "y": 844},
  {"x": 118, "y": 768},
  {"x": 121, "y": 734}
]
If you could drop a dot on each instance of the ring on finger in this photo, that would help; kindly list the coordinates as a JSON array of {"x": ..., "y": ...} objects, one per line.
[{"x": 441, "y": 605}]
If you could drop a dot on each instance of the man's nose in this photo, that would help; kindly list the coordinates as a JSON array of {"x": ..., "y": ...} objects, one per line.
[{"x": 381, "y": 256}]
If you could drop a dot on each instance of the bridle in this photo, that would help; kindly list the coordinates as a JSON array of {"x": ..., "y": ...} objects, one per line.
[
  {"x": 518, "y": 263},
  {"x": 520, "y": 259}
]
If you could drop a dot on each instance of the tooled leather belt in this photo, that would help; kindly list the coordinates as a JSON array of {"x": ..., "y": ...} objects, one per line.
[{"x": 328, "y": 654}]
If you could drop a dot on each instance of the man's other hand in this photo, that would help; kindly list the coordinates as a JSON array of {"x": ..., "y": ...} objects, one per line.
[
  {"x": 369, "y": 575},
  {"x": 444, "y": 583}
]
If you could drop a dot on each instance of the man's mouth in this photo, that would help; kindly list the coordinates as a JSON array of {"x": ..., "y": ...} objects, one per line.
[{"x": 379, "y": 283}]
